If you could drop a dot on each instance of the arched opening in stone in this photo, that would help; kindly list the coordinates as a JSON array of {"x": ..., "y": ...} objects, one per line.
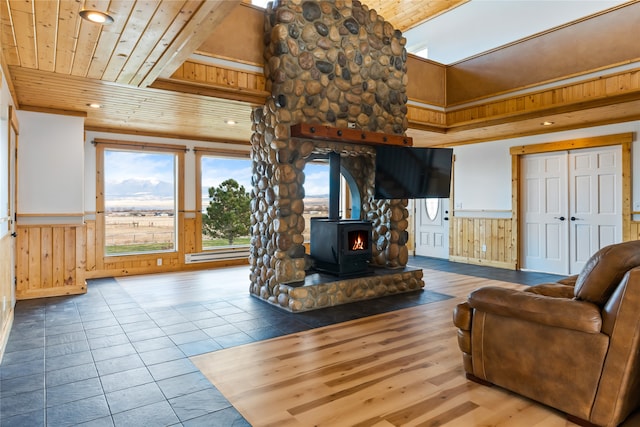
[{"x": 316, "y": 191}]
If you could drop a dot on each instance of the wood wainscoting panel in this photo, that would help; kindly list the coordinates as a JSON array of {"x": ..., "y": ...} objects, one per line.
[
  {"x": 470, "y": 235},
  {"x": 634, "y": 232},
  {"x": 6, "y": 305},
  {"x": 50, "y": 260}
]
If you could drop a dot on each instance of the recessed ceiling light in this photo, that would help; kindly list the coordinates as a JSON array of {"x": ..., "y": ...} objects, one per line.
[
  {"x": 96, "y": 16},
  {"x": 94, "y": 105},
  {"x": 547, "y": 123},
  {"x": 230, "y": 122}
]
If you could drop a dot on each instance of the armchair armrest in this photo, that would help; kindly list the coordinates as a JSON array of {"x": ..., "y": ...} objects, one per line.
[
  {"x": 558, "y": 312},
  {"x": 569, "y": 281},
  {"x": 555, "y": 290}
]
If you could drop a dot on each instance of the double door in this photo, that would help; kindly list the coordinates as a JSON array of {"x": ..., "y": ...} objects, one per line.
[{"x": 572, "y": 206}]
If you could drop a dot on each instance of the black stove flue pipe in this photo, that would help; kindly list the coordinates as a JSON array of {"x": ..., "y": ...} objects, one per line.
[{"x": 334, "y": 186}]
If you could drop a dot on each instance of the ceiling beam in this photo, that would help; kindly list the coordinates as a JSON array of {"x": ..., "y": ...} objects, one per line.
[{"x": 210, "y": 14}]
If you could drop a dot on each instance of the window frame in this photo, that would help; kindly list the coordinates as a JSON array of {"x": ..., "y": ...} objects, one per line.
[
  {"x": 134, "y": 146},
  {"x": 212, "y": 152}
]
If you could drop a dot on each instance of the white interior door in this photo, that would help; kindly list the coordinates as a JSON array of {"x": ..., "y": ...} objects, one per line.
[
  {"x": 595, "y": 202},
  {"x": 544, "y": 213},
  {"x": 432, "y": 227},
  {"x": 572, "y": 206}
]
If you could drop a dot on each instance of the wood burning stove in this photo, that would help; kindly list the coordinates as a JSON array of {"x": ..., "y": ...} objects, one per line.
[
  {"x": 339, "y": 246},
  {"x": 342, "y": 246}
]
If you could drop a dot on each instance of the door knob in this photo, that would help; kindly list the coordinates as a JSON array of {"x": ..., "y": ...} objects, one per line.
[
  {"x": 573, "y": 218},
  {"x": 561, "y": 218},
  {"x": 446, "y": 218}
]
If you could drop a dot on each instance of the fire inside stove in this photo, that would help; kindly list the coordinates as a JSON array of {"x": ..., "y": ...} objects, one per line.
[{"x": 358, "y": 240}]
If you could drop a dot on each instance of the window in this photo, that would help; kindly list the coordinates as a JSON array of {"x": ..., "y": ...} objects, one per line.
[
  {"x": 225, "y": 188},
  {"x": 139, "y": 198},
  {"x": 316, "y": 194},
  {"x": 432, "y": 206}
]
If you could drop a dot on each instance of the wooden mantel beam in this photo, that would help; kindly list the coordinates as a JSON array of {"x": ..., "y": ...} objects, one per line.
[{"x": 352, "y": 136}]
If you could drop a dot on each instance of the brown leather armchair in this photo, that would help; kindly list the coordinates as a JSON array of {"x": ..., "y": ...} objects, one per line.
[{"x": 572, "y": 345}]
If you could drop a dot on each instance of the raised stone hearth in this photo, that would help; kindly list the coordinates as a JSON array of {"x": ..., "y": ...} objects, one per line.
[
  {"x": 336, "y": 64},
  {"x": 324, "y": 290}
]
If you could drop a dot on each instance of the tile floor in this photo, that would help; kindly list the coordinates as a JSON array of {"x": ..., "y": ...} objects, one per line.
[{"x": 101, "y": 359}]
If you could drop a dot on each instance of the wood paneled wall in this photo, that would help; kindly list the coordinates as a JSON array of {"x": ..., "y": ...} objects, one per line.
[
  {"x": 634, "y": 230},
  {"x": 605, "y": 89},
  {"x": 6, "y": 305},
  {"x": 50, "y": 260},
  {"x": 468, "y": 235}
]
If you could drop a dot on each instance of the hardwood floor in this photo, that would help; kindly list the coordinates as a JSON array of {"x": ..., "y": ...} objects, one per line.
[{"x": 398, "y": 368}]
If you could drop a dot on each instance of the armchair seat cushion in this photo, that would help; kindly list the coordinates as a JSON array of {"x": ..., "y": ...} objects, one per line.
[{"x": 565, "y": 313}]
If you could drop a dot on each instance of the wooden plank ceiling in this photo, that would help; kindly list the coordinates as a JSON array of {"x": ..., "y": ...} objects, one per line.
[{"x": 57, "y": 62}]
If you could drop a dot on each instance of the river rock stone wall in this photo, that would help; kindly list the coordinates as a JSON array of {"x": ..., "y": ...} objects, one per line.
[{"x": 334, "y": 63}]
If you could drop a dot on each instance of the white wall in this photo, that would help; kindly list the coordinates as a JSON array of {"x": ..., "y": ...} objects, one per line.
[
  {"x": 50, "y": 167},
  {"x": 482, "y": 172}
]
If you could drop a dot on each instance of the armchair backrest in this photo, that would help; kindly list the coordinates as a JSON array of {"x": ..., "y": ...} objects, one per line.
[{"x": 604, "y": 271}]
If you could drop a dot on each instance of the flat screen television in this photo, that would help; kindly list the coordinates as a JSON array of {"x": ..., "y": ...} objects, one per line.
[{"x": 412, "y": 172}]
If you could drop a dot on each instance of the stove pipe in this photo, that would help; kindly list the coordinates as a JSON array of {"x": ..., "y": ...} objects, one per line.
[{"x": 334, "y": 186}]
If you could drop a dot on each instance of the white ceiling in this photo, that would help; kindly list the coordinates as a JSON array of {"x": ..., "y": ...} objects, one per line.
[{"x": 481, "y": 25}]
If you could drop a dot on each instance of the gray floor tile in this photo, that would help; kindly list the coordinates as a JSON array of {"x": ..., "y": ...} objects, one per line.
[
  {"x": 77, "y": 412},
  {"x": 71, "y": 392},
  {"x": 174, "y": 368},
  {"x": 139, "y": 326},
  {"x": 119, "y": 364},
  {"x": 19, "y": 344},
  {"x": 233, "y": 340},
  {"x": 156, "y": 414},
  {"x": 218, "y": 331},
  {"x": 153, "y": 344},
  {"x": 179, "y": 328},
  {"x": 161, "y": 355},
  {"x": 134, "y": 318},
  {"x": 66, "y": 338},
  {"x": 30, "y": 419},
  {"x": 115, "y": 351},
  {"x": 95, "y": 314},
  {"x": 210, "y": 322},
  {"x": 184, "y": 384},
  {"x": 145, "y": 334},
  {"x": 134, "y": 397},
  {"x": 61, "y": 362},
  {"x": 23, "y": 356},
  {"x": 21, "y": 385},
  {"x": 103, "y": 332},
  {"x": 71, "y": 374},
  {"x": 15, "y": 370},
  {"x": 108, "y": 341},
  {"x": 200, "y": 347},
  {"x": 21, "y": 403},
  {"x": 125, "y": 379},
  {"x": 67, "y": 348},
  {"x": 63, "y": 328},
  {"x": 228, "y": 417},
  {"x": 100, "y": 422},
  {"x": 186, "y": 337},
  {"x": 197, "y": 404},
  {"x": 131, "y": 309},
  {"x": 101, "y": 323}
]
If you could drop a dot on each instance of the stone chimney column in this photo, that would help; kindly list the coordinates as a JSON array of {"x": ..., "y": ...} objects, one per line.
[{"x": 335, "y": 63}]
